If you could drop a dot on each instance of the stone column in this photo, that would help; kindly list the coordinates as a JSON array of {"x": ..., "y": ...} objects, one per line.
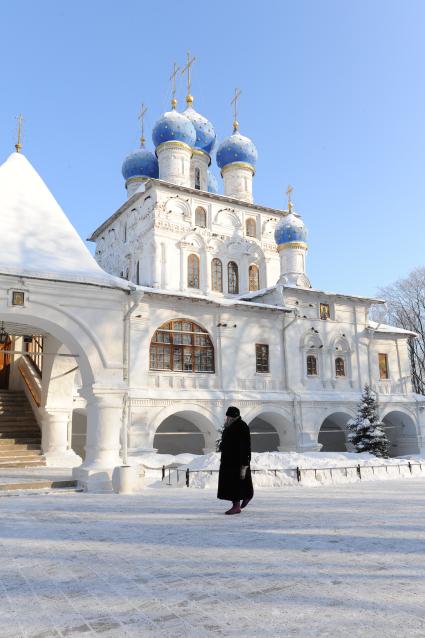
[
  {"x": 104, "y": 423},
  {"x": 54, "y": 439}
]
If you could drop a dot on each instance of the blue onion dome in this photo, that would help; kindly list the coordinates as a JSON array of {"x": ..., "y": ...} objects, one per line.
[
  {"x": 140, "y": 163},
  {"x": 236, "y": 148},
  {"x": 290, "y": 229},
  {"x": 174, "y": 126},
  {"x": 205, "y": 133},
  {"x": 212, "y": 182}
]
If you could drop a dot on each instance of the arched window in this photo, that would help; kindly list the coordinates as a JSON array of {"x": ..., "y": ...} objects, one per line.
[
  {"x": 232, "y": 278},
  {"x": 250, "y": 227},
  {"x": 339, "y": 367},
  {"x": 198, "y": 179},
  {"x": 193, "y": 271},
  {"x": 200, "y": 217},
  {"x": 311, "y": 365},
  {"x": 216, "y": 275},
  {"x": 254, "y": 277},
  {"x": 181, "y": 346}
]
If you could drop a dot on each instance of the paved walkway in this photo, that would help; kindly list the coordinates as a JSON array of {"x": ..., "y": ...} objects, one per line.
[{"x": 340, "y": 561}]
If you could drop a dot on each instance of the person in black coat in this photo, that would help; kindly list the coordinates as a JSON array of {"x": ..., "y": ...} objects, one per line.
[{"x": 234, "y": 479}]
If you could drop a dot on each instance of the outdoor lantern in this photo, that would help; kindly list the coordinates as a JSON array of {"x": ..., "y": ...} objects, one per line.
[{"x": 4, "y": 337}]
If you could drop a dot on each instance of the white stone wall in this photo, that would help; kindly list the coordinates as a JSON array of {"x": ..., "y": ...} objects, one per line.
[
  {"x": 294, "y": 403},
  {"x": 237, "y": 180},
  {"x": 158, "y": 231}
]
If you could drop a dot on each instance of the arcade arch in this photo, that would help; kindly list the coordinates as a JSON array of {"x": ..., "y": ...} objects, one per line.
[
  {"x": 182, "y": 431},
  {"x": 402, "y": 433},
  {"x": 332, "y": 433},
  {"x": 271, "y": 431}
]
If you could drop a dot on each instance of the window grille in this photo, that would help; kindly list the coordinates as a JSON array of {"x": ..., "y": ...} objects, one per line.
[
  {"x": 181, "y": 346},
  {"x": 262, "y": 357},
  {"x": 311, "y": 365},
  {"x": 193, "y": 271},
  {"x": 198, "y": 179},
  {"x": 217, "y": 275},
  {"x": 254, "y": 277},
  {"x": 339, "y": 367},
  {"x": 232, "y": 278}
]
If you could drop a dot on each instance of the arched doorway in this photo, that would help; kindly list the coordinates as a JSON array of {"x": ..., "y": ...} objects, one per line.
[
  {"x": 332, "y": 434},
  {"x": 271, "y": 432},
  {"x": 402, "y": 434},
  {"x": 184, "y": 432}
]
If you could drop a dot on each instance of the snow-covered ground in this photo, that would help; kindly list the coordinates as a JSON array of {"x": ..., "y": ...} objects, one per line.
[
  {"x": 331, "y": 561},
  {"x": 278, "y": 469}
]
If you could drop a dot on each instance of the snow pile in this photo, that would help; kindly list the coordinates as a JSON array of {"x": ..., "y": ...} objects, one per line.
[{"x": 278, "y": 469}]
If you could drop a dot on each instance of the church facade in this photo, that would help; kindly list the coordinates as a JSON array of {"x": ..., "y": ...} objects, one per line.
[{"x": 198, "y": 300}]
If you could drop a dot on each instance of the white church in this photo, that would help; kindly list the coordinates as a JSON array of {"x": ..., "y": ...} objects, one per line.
[{"x": 195, "y": 300}]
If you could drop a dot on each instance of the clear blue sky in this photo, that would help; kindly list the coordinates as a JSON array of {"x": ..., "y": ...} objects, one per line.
[{"x": 333, "y": 97}]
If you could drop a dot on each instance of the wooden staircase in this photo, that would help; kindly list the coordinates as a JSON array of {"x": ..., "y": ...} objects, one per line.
[{"x": 20, "y": 436}]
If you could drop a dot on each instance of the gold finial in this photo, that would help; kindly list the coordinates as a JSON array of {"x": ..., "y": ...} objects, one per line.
[
  {"x": 234, "y": 103},
  {"x": 288, "y": 194},
  {"x": 176, "y": 69},
  {"x": 18, "y": 144},
  {"x": 142, "y": 114},
  {"x": 189, "y": 98}
]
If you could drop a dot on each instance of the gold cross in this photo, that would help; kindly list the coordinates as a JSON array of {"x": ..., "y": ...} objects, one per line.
[
  {"x": 288, "y": 194},
  {"x": 142, "y": 114},
  {"x": 18, "y": 144},
  {"x": 234, "y": 103},
  {"x": 187, "y": 68},
  {"x": 176, "y": 69}
]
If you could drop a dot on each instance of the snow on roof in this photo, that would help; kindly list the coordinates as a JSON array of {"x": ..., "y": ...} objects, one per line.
[
  {"x": 218, "y": 301},
  {"x": 385, "y": 328},
  {"x": 38, "y": 240}
]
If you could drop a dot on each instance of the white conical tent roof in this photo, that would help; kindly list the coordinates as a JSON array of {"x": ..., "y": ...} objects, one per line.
[{"x": 38, "y": 240}]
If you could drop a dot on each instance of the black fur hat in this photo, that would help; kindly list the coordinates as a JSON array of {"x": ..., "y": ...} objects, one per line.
[{"x": 233, "y": 412}]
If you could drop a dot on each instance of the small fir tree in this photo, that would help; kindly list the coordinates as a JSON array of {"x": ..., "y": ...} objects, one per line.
[{"x": 366, "y": 432}]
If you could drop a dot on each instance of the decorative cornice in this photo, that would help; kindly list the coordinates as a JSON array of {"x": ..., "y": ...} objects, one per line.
[
  {"x": 173, "y": 144},
  {"x": 293, "y": 244},
  {"x": 233, "y": 165}
]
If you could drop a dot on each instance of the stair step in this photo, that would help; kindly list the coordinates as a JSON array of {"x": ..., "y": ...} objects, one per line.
[
  {"x": 18, "y": 446},
  {"x": 37, "y": 485},
  {"x": 19, "y": 452},
  {"x": 20, "y": 441},
  {"x": 10, "y": 464}
]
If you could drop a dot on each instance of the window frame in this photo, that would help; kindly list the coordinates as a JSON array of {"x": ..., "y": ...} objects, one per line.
[
  {"x": 200, "y": 210},
  {"x": 316, "y": 367},
  {"x": 176, "y": 346},
  {"x": 384, "y": 356},
  {"x": 193, "y": 274},
  {"x": 338, "y": 375},
  {"x": 262, "y": 353},
  {"x": 251, "y": 268},
  {"x": 250, "y": 222},
  {"x": 232, "y": 266},
  {"x": 197, "y": 178},
  {"x": 215, "y": 263}
]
